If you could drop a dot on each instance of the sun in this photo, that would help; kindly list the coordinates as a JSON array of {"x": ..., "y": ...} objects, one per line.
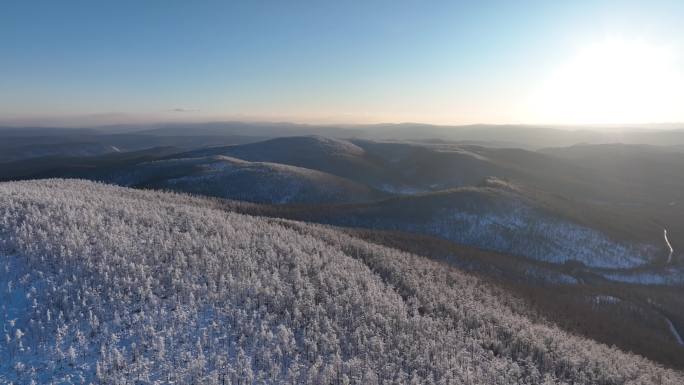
[{"x": 614, "y": 81}]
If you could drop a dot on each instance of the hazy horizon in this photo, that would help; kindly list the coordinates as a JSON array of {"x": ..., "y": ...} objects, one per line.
[{"x": 113, "y": 120}]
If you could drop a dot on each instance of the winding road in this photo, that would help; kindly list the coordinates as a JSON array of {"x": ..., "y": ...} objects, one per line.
[
  {"x": 667, "y": 242},
  {"x": 674, "y": 331}
]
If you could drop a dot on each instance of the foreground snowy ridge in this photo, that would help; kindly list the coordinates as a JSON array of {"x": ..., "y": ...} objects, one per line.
[{"x": 111, "y": 285}]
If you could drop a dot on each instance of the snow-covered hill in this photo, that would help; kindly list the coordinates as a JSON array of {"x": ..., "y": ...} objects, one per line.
[
  {"x": 111, "y": 285},
  {"x": 232, "y": 178},
  {"x": 333, "y": 156},
  {"x": 493, "y": 217}
]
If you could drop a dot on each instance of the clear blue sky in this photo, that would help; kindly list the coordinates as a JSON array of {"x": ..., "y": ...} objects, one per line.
[{"x": 441, "y": 62}]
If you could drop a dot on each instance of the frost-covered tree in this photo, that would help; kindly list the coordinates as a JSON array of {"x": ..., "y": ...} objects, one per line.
[{"x": 148, "y": 287}]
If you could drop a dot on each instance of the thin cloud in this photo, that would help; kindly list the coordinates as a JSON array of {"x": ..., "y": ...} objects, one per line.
[{"x": 185, "y": 110}]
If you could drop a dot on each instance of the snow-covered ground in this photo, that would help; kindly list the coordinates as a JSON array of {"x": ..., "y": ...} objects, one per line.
[
  {"x": 28, "y": 335},
  {"x": 521, "y": 230},
  {"x": 672, "y": 275},
  {"x": 605, "y": 300},
  {"x": 525, "y": 231}
]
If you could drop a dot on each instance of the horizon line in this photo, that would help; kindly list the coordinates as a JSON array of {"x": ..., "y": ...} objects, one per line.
[{"x": 18, "y": 124}]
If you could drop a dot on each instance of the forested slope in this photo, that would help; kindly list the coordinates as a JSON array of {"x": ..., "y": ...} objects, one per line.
[
  {"x": 495, "y": 216},
  {"x": 110, "y": 285}
]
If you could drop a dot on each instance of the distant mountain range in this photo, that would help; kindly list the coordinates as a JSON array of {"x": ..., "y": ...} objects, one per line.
[{"x": 520, "y": 136}]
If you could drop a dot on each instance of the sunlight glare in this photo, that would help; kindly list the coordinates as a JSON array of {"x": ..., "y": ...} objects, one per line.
[{"x": 614, "y": 81}]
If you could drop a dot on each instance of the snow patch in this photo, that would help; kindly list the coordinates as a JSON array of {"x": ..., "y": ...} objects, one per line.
[{"x": 672, "y": 276}]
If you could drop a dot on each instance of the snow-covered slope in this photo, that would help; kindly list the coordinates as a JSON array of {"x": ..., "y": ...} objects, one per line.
[
  {"x": 232, "y": 178},
  {"x": 287, "y": 149},
  {"x": 493, "y": 217},
  {"x": 334, "y": 156},
  {"x": 111, "y": 285}
]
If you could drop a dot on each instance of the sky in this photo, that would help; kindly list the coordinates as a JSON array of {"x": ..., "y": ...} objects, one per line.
[{"x": 452, "y": 62}]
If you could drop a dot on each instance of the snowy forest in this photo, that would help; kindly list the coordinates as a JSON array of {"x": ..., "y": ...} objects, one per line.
[{"x": 110, "y": 285}]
